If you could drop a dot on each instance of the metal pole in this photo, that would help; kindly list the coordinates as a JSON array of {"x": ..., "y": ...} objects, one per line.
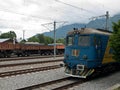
[
  {"x": 13, "y": 40},
  {"x": 23, "y": 34},
  {"x": 54, "y": 25},
  {"x": 54, "y": 39},
  {"x": 0, "y": 32},
  {"x": 107, "y": 18}
]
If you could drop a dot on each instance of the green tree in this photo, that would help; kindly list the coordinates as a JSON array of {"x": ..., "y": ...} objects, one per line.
[
  {"x": 115, "y": 41},
  {"x": 23, "y": 41},
  {"x": 61, "y": 40},
  {"x": 41, "y": 38},
  {"x": 33, "y": 39},
  {"x": 48, "y": 40},
  {"x": 10, "y": 34}
]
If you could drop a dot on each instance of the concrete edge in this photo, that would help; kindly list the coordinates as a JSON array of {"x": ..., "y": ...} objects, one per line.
[{"x": 114, "y": 87}]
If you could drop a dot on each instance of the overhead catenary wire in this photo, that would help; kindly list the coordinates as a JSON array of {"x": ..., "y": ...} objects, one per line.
[
  {"x": 103, "y": 6},
  {"x": 82, "y": 9},
  {"x": 17, "y": 27},
  {"x": 45, "y": 18},
  {"x": 14, "y": 27},
  {"x": 32, "y": 16},
  {"x": 51, "y": 23}
]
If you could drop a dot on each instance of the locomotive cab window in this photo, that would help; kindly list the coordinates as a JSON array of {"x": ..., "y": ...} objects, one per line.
[
  {"x": 70, "y": 40},
  {"x": 84, "y": 41}
]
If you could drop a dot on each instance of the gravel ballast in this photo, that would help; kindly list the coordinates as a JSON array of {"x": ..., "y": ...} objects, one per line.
[
  {"x": 22, "y": 67},
  {"x": 20, "y": 81},
  {"x": 28, "y": 60},
  {"x": 104, "y": 83}
]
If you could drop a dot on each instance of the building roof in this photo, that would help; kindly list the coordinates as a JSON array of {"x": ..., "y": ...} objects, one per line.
[
  {"x": 3, "y": 40},
  {"x": 32, "y": 43}
]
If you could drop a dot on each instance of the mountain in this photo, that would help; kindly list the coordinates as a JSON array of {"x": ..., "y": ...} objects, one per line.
[
  {"x": 62, "y": 31},
  {"x": 98, "y": 23}
]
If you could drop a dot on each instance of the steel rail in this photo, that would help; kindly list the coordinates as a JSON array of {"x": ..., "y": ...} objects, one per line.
[
  {"x": 29, "y": 63},
  {"x": 18, "y": 72},
  {"x": 26, "y": 58}
]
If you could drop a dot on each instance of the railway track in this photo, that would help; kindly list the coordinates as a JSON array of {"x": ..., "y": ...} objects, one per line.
[
  {"x": 60, "y": 84},
  {"x": 26, "y": 58},
  {"x": 29, "y": 63},
  {"x": 18, "y": 72}
]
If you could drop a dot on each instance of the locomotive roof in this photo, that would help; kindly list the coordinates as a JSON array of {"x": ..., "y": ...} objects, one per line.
[{"x": 89, "y": 31}]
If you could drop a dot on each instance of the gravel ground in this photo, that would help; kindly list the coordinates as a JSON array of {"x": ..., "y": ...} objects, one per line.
[
  {"x": 30, "y": 60},
  {"x": 53, "y": 86},
  {"x": 21, "y": 67},
  {"x": 20, "y": 81},
  {"x": 104, "y": 83}
]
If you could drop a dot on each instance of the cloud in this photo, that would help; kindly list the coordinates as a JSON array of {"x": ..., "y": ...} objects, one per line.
[{"x": 28, "y": 15}]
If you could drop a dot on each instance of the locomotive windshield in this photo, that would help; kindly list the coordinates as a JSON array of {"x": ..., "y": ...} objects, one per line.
[
  {"x": 84, "y": 41},
  {"x": 70, "y": 40}
]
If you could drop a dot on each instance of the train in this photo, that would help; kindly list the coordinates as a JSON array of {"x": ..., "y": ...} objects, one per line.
[
  {"x": 87, "y": 51},
  {"x": 8, "y": 49}
]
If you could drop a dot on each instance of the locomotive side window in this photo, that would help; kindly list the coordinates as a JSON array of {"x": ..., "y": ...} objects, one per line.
[
  {"x": 70, "y": 40},
  {"x": 84, "y": 41}
]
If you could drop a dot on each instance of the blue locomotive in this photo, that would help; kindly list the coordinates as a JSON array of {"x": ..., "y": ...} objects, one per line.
[{"x": 86, "y": 50}]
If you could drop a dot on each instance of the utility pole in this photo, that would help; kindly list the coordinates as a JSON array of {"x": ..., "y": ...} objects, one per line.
[
  {"x": 0, "y": 32},
  {"x": 54, "y": 39},
  {"x": 14, "y": 40},
  {"x": 54, "y": 30},
  {"x": 23, "y": 34},
  {"x": 107, "y": 19}
]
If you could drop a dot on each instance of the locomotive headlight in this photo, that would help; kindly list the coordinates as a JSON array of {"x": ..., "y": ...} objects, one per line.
[{"x": 85, "y": 57}]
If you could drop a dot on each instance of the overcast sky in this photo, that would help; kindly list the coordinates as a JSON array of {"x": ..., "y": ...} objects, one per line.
[{"x": 28, "y": 15}]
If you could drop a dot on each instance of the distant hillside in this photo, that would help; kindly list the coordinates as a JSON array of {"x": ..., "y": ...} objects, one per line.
[
  {"x": 62, "y": 31},
  {"x": 98, "y": 23}
]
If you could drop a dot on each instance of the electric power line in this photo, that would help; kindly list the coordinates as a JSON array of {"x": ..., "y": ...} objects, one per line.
[
  {"x": 106, "y": 6},
  {"x": 38, "y": 17},
  {"x": 76, "y": 7},
  {"x": 51, "y": 23}
]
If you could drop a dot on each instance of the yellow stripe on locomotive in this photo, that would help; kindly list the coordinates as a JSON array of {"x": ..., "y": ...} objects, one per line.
[{"x": 108, "y": 56}]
